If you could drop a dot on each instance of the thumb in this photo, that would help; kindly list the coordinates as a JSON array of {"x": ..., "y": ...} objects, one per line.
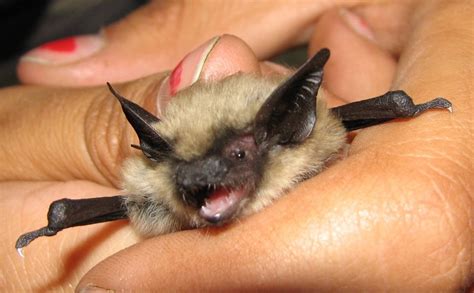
[{"x": 64, "y": 134}]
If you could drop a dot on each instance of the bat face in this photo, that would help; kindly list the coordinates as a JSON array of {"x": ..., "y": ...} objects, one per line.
[
  {"x": 226, "y": 149},
  {"x": 219, "y": 181}
]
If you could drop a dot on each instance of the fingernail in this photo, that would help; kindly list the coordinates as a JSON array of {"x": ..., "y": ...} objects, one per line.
[
  {"x": 94, "y": 289},
  {"x": 189, "y": 68},
  {"x": 185, "y": 73},
  {"x": 357, "y": 24},
  {"x": 65, "y": 50}
]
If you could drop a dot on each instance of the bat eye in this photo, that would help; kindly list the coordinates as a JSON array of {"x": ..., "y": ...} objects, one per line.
[
  {"x": 241, "y": 149},
  {"x": 239, "y": 154}
]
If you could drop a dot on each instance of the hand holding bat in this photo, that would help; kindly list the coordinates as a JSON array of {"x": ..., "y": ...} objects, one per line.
[
  {"x": 291, "y": 212},
  {"x": 263, "y": 138}
]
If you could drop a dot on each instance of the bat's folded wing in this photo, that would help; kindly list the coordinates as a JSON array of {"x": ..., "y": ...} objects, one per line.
[
  {"x": 392, "y": 105},
  {"x": 66, "y": 213}
]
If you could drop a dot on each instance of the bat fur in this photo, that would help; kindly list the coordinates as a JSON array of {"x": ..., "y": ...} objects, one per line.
[{"x": 197, "y": 118}]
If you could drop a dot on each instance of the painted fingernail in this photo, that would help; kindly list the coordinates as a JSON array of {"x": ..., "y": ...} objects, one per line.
[
  {"x": 357, "y": 24},
  {"x": 189, "y": 68},
  {"x": 186, "y": 72},
  {"x": 65, "y": 50}
]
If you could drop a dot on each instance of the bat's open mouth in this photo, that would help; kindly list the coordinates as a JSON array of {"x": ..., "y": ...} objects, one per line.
[{"x": 218, "y": 204}]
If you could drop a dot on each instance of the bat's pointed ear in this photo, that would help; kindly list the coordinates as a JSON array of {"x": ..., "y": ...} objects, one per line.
[
  {"x": 289, "y": 114},
  {"x": 151, "y": 143}
]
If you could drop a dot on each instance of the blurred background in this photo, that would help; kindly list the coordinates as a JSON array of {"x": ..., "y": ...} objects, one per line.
[{"x": 29, "y": 23}]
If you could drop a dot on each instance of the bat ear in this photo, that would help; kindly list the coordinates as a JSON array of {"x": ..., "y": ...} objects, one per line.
[
  {"x": 289, "y": 113},
  {"x": 151, "y": 143}
]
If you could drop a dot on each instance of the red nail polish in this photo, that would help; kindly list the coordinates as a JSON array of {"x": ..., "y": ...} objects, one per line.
[
  {"x": 66, "y": 45},
  {"x": 175, "y": 78}
]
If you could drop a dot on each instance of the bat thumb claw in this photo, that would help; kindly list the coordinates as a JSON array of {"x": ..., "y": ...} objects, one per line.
[{"x": 26, "y": 238}]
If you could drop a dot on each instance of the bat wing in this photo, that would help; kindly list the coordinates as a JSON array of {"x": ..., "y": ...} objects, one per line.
[
  {"x": 66, "y": 213},
  {"x": 392, "y": 105}
]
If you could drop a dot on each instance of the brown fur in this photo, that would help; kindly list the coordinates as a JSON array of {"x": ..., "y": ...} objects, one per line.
[{"x": 194, "y": 119}]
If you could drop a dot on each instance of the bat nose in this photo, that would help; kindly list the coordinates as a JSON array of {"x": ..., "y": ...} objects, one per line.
[{"x": 199, "y": 173}]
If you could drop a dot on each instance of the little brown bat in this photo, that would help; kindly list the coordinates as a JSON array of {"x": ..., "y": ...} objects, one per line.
[{"x": 227, "y": 149}]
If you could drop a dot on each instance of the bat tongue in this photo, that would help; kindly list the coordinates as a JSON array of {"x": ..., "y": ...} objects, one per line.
[{"x": 221, "y": 204}]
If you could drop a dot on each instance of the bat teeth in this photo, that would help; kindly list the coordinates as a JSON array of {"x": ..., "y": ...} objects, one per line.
[{"x": 206, "y": 210}]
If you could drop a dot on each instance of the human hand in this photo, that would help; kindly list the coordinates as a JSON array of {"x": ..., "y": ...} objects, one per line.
[
  {"x": 360, "y": 219},
  {"x": 156, "y": 36},
  {"x": 395, "y": 215}
]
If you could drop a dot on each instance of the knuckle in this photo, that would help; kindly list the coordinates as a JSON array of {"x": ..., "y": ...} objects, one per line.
[{"x": 107, "y": 139}]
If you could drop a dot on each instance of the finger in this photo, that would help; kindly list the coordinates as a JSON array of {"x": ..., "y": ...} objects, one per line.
[
  {"x": 156, "y": 36},
  {"x": 64, "y": 134},
  {"x": 214, "y": 60},
  {"x": 53, "y": 263},
  {"x": 389, "y": 23},
  {"x": 358, "y": 68}
]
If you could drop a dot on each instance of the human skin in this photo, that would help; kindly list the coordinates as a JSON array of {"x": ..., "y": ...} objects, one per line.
[
  {"x": 157, "y": 35},
  {"x": 394, "y": 215}
]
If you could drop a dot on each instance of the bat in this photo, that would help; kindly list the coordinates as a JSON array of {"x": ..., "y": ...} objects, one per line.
[{"x": 227, "y": 149}]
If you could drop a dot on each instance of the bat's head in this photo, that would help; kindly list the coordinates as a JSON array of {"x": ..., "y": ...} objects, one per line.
[{"x": 224, "y": 148}]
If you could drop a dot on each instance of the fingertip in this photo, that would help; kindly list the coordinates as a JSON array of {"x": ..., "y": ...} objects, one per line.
[
  {"x": 58, "y": 61},
  {"x": 66, "y": 50},
  {"x": 230, "y": 55},
  {"x": 358, "y": 67},
  {"x": 215, "y": 59}
]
